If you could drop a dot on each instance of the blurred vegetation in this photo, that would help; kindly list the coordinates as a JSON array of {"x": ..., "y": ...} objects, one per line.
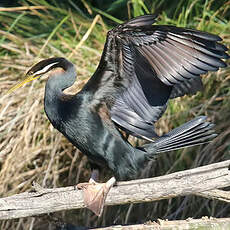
[{"x": 31, "y": 150}]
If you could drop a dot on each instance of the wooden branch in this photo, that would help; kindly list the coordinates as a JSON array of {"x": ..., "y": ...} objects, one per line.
[
  {"x": 215, "y": 194},
  {"x": 190, "y": 224},
  {"x": 182, "y": 183}
]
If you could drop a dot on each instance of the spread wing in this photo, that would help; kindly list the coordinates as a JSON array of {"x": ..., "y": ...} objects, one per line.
[{"x": 144, "y": 65}]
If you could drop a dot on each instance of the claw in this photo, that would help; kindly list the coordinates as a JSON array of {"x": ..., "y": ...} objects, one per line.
[{"x": 94, "y": 194}]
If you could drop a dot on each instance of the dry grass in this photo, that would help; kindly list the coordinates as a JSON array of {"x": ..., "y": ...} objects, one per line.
[{"x": 31, "y": 150}]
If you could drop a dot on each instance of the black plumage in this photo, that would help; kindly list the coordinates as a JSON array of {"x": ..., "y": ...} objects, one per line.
[{"x": 141, "y": 68}]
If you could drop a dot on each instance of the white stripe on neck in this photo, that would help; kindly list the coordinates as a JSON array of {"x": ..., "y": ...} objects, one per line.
[{"x": 45, "y": 69}]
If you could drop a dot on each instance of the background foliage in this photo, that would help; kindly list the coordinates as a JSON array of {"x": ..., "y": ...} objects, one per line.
[{"x": 31, "y": 150}]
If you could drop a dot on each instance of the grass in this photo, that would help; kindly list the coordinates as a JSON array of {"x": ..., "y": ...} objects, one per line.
[{"x": 31, "y": 150}]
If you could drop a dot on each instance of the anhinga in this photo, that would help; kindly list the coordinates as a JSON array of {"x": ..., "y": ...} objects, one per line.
[{"x": 141, "y": 68}]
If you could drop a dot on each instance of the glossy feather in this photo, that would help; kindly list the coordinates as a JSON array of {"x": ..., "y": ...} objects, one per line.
[
  {"x": 141, "y": 68},
  {"x": 152, "y": 64}
]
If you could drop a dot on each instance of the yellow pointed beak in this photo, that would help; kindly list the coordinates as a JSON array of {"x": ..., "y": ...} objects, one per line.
[{"x": 20, "y": 84}]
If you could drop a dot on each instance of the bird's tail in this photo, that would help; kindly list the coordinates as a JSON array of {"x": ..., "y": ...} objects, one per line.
[{"x": 194, "y": 132}]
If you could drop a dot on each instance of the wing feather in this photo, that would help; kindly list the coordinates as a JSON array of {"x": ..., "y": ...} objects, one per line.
[{"x": 144, "y": 65}]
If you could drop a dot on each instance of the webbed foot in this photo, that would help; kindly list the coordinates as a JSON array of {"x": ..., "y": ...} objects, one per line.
[{"x": 94, "y": 194}]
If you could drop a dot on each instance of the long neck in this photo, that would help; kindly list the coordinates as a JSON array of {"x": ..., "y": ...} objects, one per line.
[{"x": 54, "y": 90}]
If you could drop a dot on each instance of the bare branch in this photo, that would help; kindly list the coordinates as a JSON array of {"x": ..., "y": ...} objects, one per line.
[
  {"x": 193, "y": 181},
  {"x": 216, "y": 194},
  {"x": 204, "y": 223}
]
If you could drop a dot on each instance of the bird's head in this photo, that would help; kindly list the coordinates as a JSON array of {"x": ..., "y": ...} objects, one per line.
[{"x": 38, "y": 70}]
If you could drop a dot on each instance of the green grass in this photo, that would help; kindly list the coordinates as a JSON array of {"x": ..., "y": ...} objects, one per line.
[{"x": 28, "y": 138}]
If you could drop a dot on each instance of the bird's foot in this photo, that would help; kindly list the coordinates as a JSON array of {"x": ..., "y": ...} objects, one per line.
[{"x": 94, "y": 194}]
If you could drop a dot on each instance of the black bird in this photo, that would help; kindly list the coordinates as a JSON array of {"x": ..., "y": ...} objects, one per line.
[{"x": 141, "y": 68}]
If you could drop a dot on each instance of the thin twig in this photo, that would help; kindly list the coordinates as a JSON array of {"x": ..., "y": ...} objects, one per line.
[
  {"x": 22, "y": 8},
  {"x": 86, "y": 35}
]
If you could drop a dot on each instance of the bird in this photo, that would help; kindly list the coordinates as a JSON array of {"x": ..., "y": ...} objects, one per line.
[{"x": 142, "y": 67}]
